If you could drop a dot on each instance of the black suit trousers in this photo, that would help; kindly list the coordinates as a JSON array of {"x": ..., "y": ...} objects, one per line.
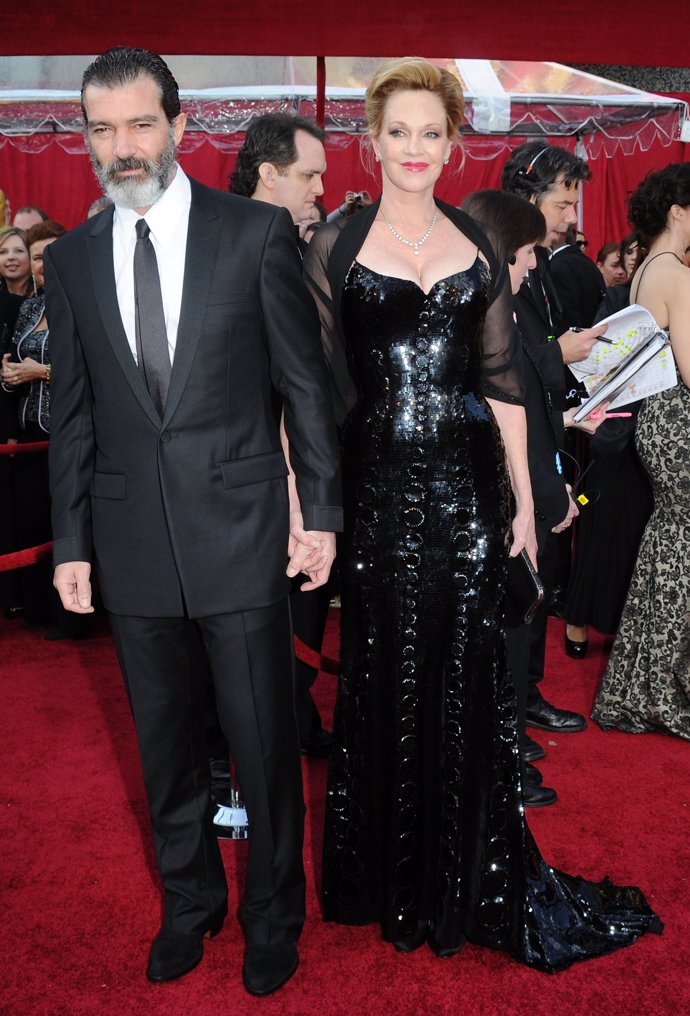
[{"x": 250, "y": 658}]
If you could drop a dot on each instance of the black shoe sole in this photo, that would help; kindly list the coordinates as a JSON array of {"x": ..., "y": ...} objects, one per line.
[
  {"x": 540, "y": 804},
  {"x": 555, "y": 730}
]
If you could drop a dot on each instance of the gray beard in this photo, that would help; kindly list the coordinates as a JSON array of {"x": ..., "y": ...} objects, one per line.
[{"x": 131, "y": 192}]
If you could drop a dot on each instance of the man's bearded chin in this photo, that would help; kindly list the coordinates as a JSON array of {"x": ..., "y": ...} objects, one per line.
[{"x": 141, "y": 191}]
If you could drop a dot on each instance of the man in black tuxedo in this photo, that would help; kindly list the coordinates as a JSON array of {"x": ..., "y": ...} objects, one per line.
[
  {"x": 549, "y": 177},
  {"x": 180, "y": 330}
]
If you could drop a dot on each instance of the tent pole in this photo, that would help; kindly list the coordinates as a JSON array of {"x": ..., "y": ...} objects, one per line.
[{"x": 321, "y": 91}]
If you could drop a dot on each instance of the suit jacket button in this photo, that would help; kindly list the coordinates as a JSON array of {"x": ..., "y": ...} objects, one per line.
[{"x": 166, "y": 435}]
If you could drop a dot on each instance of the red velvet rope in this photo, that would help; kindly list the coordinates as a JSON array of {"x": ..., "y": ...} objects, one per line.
[
  {"x": 18, "y": 449},
  {"x": 314, "y": 659},
  {"x": 22, "y": 558}
]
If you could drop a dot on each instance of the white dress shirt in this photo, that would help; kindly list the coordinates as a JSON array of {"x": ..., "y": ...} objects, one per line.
[{"x": 168, "y": 220}]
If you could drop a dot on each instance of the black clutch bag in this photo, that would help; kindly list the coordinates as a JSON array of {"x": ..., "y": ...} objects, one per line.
[{"x": 524, "y": 590}]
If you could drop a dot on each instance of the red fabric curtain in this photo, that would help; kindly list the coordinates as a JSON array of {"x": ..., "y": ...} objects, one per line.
[
  {"x": 587, "y": 32},
  {"x": 63, "y": 184}
]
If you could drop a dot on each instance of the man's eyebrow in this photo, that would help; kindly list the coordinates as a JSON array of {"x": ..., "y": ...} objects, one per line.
[{"x": 144, "y": 118}]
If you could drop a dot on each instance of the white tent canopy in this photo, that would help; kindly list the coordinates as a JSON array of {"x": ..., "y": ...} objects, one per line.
[{"x": 39, "y": 96}]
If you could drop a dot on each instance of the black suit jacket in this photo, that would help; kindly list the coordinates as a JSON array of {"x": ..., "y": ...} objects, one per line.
[
  {"x": 190, "y": 511},
  {"x": 544, "y": 434},
  {"x": 579, "y": 284}
]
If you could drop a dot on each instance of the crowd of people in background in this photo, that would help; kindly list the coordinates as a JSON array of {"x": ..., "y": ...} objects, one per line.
[
  {"x": 283, "y": 161},
  {"x": 546, "y": 293}
]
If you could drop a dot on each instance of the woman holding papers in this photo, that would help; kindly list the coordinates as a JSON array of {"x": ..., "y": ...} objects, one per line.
[{"x": 646, "y": 686}]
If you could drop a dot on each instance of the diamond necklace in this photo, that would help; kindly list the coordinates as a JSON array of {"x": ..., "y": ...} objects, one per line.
[{"x": 415, "y": 244}]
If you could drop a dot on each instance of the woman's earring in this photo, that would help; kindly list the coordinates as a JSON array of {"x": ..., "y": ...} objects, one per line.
[
  {"x": 378, "y": 158},
  {"x": 446, "y": 161}
]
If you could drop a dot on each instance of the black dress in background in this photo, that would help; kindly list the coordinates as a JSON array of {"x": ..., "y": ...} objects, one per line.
[
  {"x": 425, "y": 825},
  {"x": 609, "y": 528}
]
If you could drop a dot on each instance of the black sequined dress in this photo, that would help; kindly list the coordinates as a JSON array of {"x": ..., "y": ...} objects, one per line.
[{"x": 425, "y": 830}]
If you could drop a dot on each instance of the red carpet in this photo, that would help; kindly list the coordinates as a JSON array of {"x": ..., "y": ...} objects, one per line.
[{"x": 80, "y": 903}]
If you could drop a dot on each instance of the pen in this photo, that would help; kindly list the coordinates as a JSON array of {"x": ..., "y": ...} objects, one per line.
[
  {"x": 597, "y": 414},
  {"x": 600, "y": 338}
]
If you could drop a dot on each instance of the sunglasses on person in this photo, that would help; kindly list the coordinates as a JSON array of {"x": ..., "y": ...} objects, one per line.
[{"x": 582, "y": 243}]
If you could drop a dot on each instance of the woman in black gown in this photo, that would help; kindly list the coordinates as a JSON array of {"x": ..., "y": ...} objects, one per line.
[{"x": 425, "y": 829}]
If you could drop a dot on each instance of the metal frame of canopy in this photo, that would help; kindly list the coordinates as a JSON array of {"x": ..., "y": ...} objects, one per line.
[{"x": 499, "y": 105}]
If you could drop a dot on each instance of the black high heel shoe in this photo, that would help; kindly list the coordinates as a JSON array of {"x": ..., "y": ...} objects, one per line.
[{"x": 576, "y": 650}]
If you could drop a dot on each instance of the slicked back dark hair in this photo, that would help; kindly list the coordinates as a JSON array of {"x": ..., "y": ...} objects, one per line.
[
  {"x": 269, "y": 138},
  {"x": 533, "y": 168},
  {"x": 122, "y": 65},
  {"x": 517, "y": 221}
]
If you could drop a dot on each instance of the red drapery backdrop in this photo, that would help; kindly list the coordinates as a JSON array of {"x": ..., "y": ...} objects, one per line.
[
  {"x": 586, "y": 32},
  {"x": 63, "y": 183}
]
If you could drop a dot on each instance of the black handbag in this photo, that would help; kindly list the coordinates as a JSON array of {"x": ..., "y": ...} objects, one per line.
[{"x": 524, "y": 590}]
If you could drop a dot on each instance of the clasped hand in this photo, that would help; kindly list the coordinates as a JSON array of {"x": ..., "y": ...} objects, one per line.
[
  {"x": 14, "y": 374},
  {"x": 310, "y": 551}
]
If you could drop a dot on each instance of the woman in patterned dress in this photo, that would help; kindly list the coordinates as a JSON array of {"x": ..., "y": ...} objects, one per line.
[{"x": 646, "y": 686}]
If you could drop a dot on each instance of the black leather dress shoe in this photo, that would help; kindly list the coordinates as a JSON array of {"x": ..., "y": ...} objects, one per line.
[
  {"x": 533, "y": 775},
  {"x": 544, "y": 716},
  {"x": 268, "y": 967},
  {"x": 173, "y": 954},
  {"x": 530, "y": 750},
  {"x": 318, "y": 744},
  {"x": 575, "y": 650},
  {"x": 408, "y": 943},
  {"x": 536, "y": 796}
]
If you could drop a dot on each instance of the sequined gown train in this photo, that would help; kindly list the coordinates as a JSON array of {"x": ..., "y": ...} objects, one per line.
[{"x": 424, "y": 821}]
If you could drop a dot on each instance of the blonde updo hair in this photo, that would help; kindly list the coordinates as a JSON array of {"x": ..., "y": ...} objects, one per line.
[{"x": 412, "y": 73}]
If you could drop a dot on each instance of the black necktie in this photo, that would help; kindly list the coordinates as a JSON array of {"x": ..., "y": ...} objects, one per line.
[{"x": 151, "y": 334}]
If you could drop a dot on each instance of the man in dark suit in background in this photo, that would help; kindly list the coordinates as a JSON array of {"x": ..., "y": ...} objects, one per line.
[
  {"x": 180, "y": 330},
  {"x": 549, "y": 177},
  {"x": 282, "y": 162},
  {"x": 577, "y": 280}
]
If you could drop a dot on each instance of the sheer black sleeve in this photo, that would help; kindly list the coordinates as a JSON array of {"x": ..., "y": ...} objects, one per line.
[
  {"x": 316, "y": 275},
  {"x": 502, "y": 357}
]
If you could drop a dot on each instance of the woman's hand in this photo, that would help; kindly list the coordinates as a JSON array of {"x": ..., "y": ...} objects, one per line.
[
  {"x": 591, "y": 423},
  {"x": 309, "y": 552},
  {"x": 14, "y": 374},
  {"x": 524, "y": 534},
  {"x": 573, "y": 512}
]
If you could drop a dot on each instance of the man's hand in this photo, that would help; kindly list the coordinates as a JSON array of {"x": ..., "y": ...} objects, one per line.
[
  {"x": 311, "y": 552},
  {"x": 576, "y": 346},
  {"x": 73, "y": 582}
]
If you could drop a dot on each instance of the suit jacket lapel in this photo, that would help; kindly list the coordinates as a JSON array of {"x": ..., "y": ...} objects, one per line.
[
  {"x": 532, "y": 289},
  {"x": 100, "y": 243},
  {"x": 202, "y": 243}
]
